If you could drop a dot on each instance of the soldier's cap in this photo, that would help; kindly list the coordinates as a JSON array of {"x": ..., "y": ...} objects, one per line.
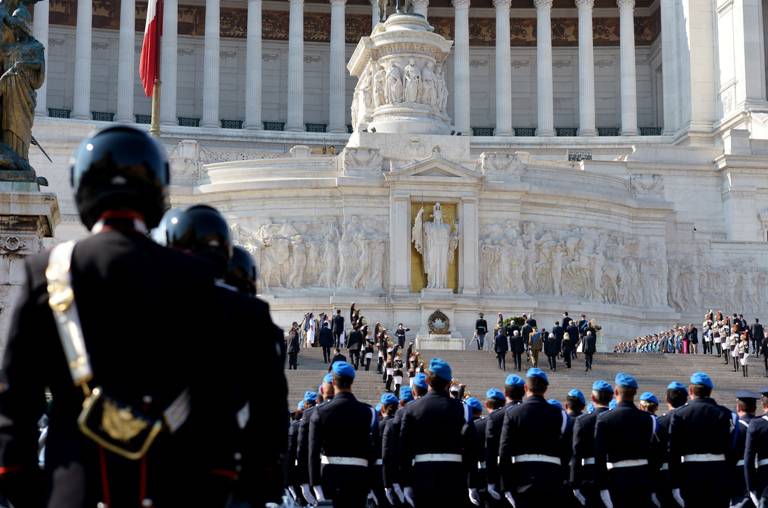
[
  {"x": 536, "y": 372},
  {"x": 328, "y": 378},
  {"x": 625, "y": 380},
  {"x": 747, "y": 395},
  {"x": 440, "y": 368},
  {"x": 514, "y": 380},
  {"x": 420, "y": 380},
  {"x": 406, "y": 393},
  {"x": 701, "y": 378},
  {"x": 555, "y": 403},
  {"x": 494, "y": 393},
  {"x": 601, "y": 386},
  {"x": 388, "y": 399},
  {"x": 676, "y": 385},
  {"x": 343, "y": 369},
  {"x": 310, "y": 396},
  {"x": 649, "y": 397},
  {"x": 378, "y": 408},
  {"x": 474, "y": 404},
  {"x": 300, "y": 405},
  {"x": 612, "y": 404},
  {"x": 577, "y": 395}
]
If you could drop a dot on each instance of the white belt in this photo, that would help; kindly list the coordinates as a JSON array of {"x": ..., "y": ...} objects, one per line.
[
  {"x": 626, "y": 463},
  {"x": 703, "y": 457},
  {"x": 740, "y": 463},
  {"x": 762, "y": 462},
  {"x": 589, "y": 461},
  {"x": 379, "y": 462},
  {"x": 343, "y": 461},
  {"x": 437, "y": 457},
  {"x": 535, "y": 457},
  {"x": 481, "y": 465}
]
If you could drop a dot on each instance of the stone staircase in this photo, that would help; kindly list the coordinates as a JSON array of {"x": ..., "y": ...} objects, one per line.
[{"x": 479, "y": 371}]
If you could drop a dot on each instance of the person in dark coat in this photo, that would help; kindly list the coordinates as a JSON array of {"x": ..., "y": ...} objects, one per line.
[
  {"x": 573, "y": 332},
  {"x": 756, "y": 334},
  {"x": 337, "y": 328},
  {"x": 551, "y": 349},
  {"x": 501, "y": 346},
  {"x": 590, "y": 347},
  {"x": 337, "y": 357},
  {"x": 355, "y": 346},
  {"x": 517, "y": 346},
  {"x": 293, "y": 345},
  {"x": 567, "y": 349},
  {"x": 326, "y": 341}
]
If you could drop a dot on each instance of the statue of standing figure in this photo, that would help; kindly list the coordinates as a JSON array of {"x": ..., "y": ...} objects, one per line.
[
  {"x": 393, "y": 92},
  {"x": 22, "y": 60},
  {"x": 436, "y": 241}
]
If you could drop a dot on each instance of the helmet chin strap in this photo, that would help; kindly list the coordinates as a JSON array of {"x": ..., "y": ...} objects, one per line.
[{"x": 107, "y": 221}]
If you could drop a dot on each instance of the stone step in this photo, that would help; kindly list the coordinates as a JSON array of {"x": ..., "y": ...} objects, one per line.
[{"x": 479, "y": 371}]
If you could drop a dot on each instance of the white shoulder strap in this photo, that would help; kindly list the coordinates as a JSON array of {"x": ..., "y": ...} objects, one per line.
[
  {"x": 654, "y": 426},
  {"x": 746, "y": 424},
  {"x": 61, "y": 299},
  {"x": 467, "y": 413},
  {"x": 373, "y": 418},
  {"x": 565, "y": 422}
]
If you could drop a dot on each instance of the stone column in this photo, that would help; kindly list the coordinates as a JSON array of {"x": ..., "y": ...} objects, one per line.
[
  {"x": 461, "y": 97},
  {"x": 586, "y": 70},
  {"x": 40, "y": 32},
  {"x": 399, "y": 245},
  {"x": 211, "y": 65},
  {"x": 669, "y": 67},
  {"x": 750, "y": 54},
  {"x": 253, "y": 67},
  {"x": 81, "y": 104},
  {"x": 338, "y": 70},
  {"x": 546, "y": 120},
  {"x": 169, "y": 63},
  {"x": 296, "y": 67},
  {"x": 126, "y": 55},
  {"x": 628, "y": 81},
  {"x": 374, "y": 13},
  {"x": 470, "y": 259},
  {"x": 503, "y": 70},
  {"x": 421, "y": 7}
]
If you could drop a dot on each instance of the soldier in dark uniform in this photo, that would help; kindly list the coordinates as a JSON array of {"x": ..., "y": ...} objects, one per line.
[
  {"x": 390, "y": 450},
  {"x": 342, "y": 434},
  {"x": 677, "y": 396},
  {"x": 122, "y": 282},
  {"x": 302, "y": 446},
  {"x": 746, "y": 405},
  {"x": 293, "y": 436},
  {"x": 700, "y": 439},
  {"x": 514, "y": 391},
  {"x": 494, "y": 401},
  {"x": 337, "y": 327},
  {"x": 530, "y": 466},
  {"x": 625, "y": 442},
  {"x": 437, "y": 444},
  {"x": 481, "y": 329},
  {"x": 756, "y": 455},
  {"x": 583, "y": 481},
  {"x": 389, "y": 404}
]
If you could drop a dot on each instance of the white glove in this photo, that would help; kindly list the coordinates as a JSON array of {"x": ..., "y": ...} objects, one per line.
[
  {"x": 474, "y": 497},
  {"x": 319, "y": 494},
  {"x": 399, "y": 492},
  {"x": 408, "y": 493},
  {"x": 753, "y": 497},
  {"x": 493, "y": 492},
  {"x": 678, "y": 497},
  {"x": 578, "y": 495},
  {"x": 606, "y": 497},
  {"x": 390, "y": 495},
  {"x": 511, "y": 499},
  {"x": 372, "y": 497},
  {"x": 655, "y": 500},
  {"x": 308, "y": 495}
]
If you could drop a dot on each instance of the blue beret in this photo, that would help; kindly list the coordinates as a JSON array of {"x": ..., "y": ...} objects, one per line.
[
  {"x": 378, "y": 408},
  {"x": 534, "y": 372},
  {"x": 406, "y": 393},
  {"x": 300, "y": 405},
  {"x": 474, "y": 404},
  {"x": 676, "y": 385},
  {"x": 328, "y": 378},
  {"x": 601, "y": 386},
  {"x": 420, "y": 380},
  {"x": 440, "y": 368},
  {"x": 612, "y": 404},
  {"x": 494, "y": 393},
  {"x": 310, "y": 396},
  {"x": 343, "y": 369},
  {"x": 514, "y": 380},
  {"x": 701, "y": 378},
  {"x": 578, "y": 395},
  {"x": 555, "y": 403},
  {"x": 388, "y": 399},
  {"x": 590, "y": 408},
  {"x": 625, "y": 380},
  {"x": 649, "y": 397}
]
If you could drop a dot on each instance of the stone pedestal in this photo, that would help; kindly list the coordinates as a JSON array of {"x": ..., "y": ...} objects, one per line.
[
  {"x": 26, "y": 219},
  {"x": 437, "y": 315},
  {"x": 439, "y": 341}
]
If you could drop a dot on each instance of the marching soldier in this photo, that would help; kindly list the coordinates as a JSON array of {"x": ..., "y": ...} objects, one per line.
[
  {"x": 494, "y": 402},
  {"x": 437, "y": 444},
  {"x": 700, "y": 437},
  {"x": 756, "y": 455},
  {"x": 746, "y": 405},
  {"x": 530, "y": 466},
  {"x": 390, "y": 450},
  {"x": 293, "y": 436},
  {"x": 389, "y": 405},
  {"x": 677, "y": 396},
  {"x": 625, "y": 440},
  {"x": 302, "y": 446},
  {"x": 106, "y": 292},
  {"x": 583, "y": 479},
  {"x": 342, "y": 434},
  {"x": 514, "y": 391}
]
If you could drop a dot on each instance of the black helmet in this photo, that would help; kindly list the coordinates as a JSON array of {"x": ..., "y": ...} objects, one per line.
[
  {"x": 242, "y": 272},
  {"x": 120, "y": 168},
  {"x": 199, "y": 229}
]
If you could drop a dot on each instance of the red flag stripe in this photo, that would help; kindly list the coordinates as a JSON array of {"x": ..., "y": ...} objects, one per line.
[{"x": 149, "y": 68}]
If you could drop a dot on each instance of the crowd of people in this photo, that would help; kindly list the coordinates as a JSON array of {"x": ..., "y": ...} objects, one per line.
[{"x": 729, "y": 337}]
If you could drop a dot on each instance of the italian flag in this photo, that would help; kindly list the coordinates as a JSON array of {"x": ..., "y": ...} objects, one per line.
[{"x": 149, "y": 68}]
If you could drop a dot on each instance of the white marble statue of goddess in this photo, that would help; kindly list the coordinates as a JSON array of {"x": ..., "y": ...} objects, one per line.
[{"x": 436, "y": 241}]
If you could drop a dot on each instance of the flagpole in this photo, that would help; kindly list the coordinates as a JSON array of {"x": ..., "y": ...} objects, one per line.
[{"x": 154, "y": 127}]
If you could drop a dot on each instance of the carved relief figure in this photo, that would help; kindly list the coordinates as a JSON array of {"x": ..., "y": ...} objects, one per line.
[
  {"x": 412, "y": 81},
  {"x": 394, "y": 88},
  {"x": 442, "y": 90},
  {"x": 379, "y": 85},
  {"x": 429, "y": 85}
]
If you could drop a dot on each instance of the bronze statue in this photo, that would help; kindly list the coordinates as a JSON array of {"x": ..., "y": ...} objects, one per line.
[
  {"x": 22, "y": 60},
  {"x": 383, "y": 6}
]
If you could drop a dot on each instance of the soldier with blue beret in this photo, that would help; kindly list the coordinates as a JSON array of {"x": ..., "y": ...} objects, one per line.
[
  {"x": 756, "y": 454},
  {"x": 583, "y": 481},
  {"x": 302, "y": 445},
  {"x": 746, "y": 405},
  {"x": 514, "y": 391}
]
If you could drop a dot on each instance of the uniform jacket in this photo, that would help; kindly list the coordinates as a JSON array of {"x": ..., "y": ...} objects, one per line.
[
  {"x": 493, "y": 427},
  {"x": 326, "y": 337},
  {"x": 501, "y": 345},
  {"x": 294, "y": 343},
  {"x": 337, "y": 324},
  {"x": 481, "y": 326},
  {"x": 584, "y": 448}
]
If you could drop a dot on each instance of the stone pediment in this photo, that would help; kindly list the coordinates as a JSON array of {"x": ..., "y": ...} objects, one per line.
[{"x": 435, "y": 169}]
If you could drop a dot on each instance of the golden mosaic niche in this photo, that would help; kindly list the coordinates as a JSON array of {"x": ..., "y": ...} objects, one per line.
[{"x": 418, "y": 277}]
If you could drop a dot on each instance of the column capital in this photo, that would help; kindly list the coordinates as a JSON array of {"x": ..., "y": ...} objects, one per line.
[
  {"x": 585, "y": 4},
  {"x": 501, "y": 4},
  {"x": 542, "y": 4},
  {"x": 296, "y": 2},
  {"x": 625, "y": 4},
  {"x": 460, "y": 4},
  {"x": 337, "y": 2}
]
